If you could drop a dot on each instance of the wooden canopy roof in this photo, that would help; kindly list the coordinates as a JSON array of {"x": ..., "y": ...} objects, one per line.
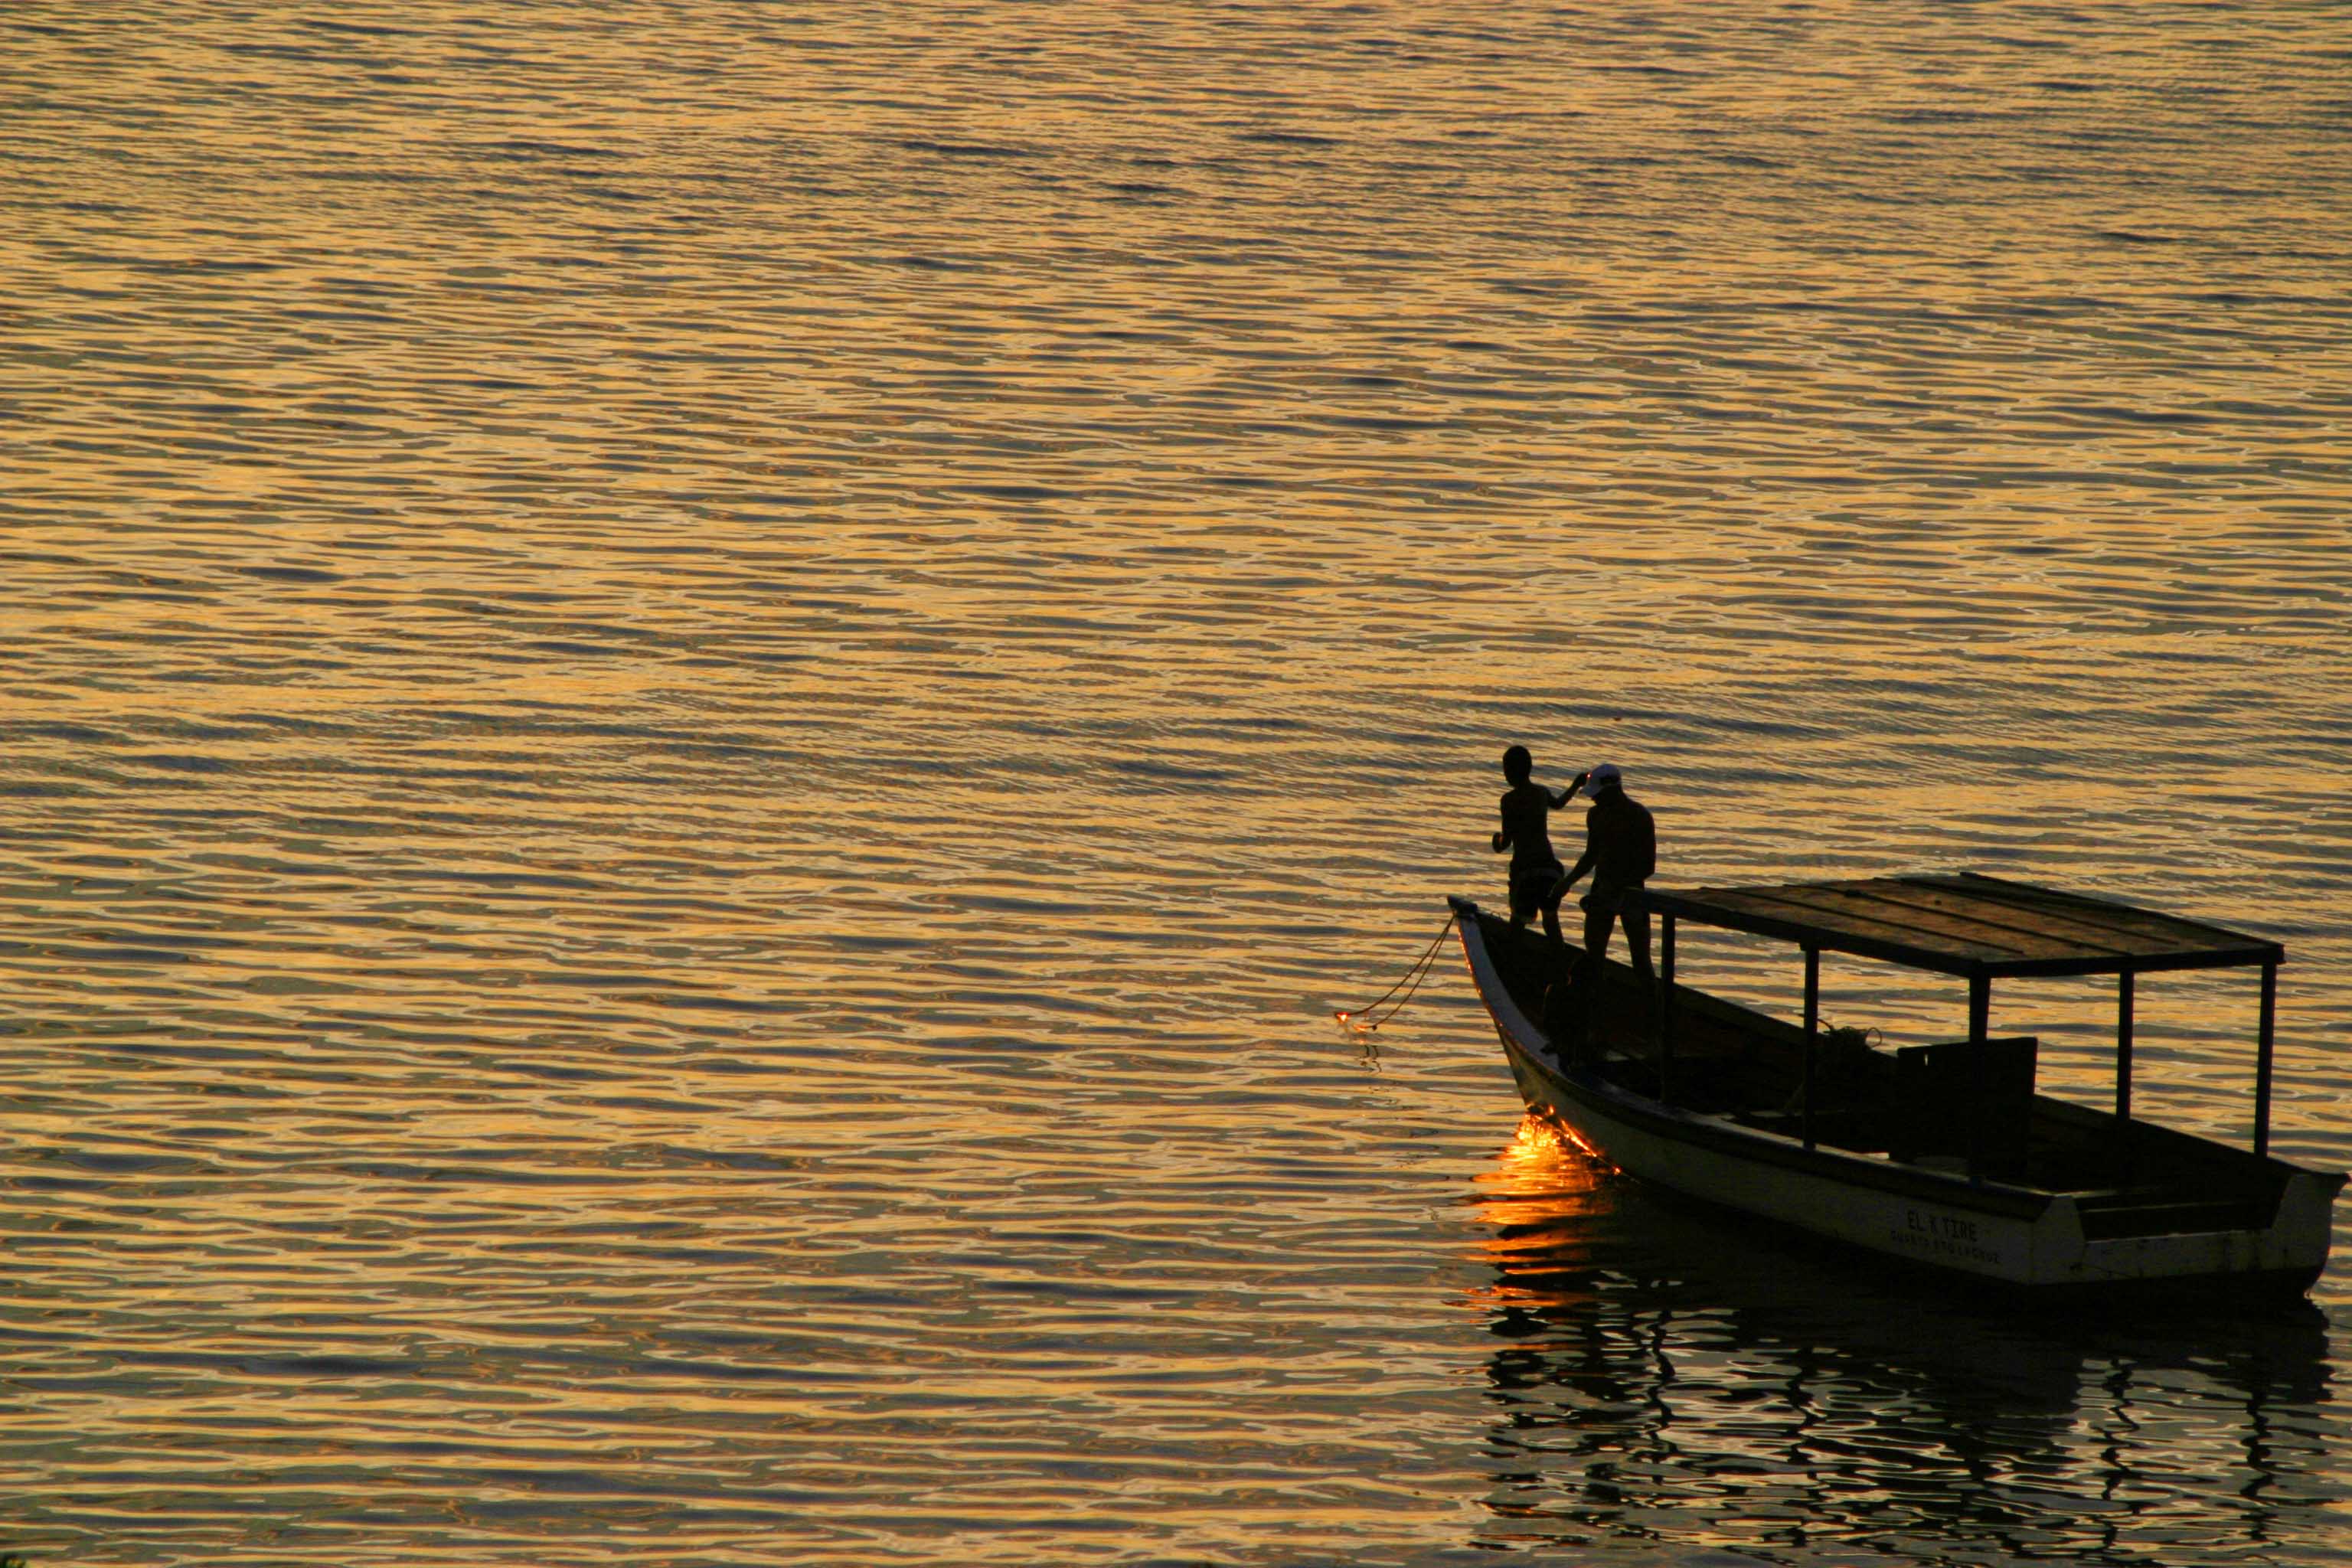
[{"x": 1971, "y": 925}]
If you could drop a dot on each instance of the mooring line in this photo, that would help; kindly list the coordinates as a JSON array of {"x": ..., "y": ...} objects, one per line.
[{"x": 1355, "y": 1017}]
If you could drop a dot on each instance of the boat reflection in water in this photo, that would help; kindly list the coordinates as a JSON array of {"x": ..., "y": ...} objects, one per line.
[{"x": 1678, "y": 1377}]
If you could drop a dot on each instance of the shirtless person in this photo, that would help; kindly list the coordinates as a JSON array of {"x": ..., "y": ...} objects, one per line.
[{"x": 1534, "y": 870}]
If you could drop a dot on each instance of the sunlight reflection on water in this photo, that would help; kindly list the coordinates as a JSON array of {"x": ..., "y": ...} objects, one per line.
[{"x": 705, "y": 706}]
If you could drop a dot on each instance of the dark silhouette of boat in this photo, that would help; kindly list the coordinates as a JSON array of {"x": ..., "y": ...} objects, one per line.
[{"x": 1942, "y": 1156}]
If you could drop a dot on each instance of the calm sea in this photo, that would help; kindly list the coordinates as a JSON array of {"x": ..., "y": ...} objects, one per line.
[{"x": 703, "y": 704}]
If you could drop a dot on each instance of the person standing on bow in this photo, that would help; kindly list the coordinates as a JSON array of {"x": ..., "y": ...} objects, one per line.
[
  {"x": 1534, "y": 870},
  {"x": 1621, "y": 851}
]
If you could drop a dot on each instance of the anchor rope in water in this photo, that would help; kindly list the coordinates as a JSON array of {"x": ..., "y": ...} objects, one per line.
[{"x": 1354, "y": 1017}]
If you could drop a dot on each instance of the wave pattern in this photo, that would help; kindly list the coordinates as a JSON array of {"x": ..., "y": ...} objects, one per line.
[{"x": 704, "y": 702}]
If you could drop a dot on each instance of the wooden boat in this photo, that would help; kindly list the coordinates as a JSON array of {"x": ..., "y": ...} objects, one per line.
[{"x": 1940, "y": 1155}]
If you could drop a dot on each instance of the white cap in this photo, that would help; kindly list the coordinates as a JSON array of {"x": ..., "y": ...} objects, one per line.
[{"x": 1603, "y": 777}]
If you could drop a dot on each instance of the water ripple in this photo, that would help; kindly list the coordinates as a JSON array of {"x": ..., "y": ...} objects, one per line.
[{"x": 705, "y": 705}]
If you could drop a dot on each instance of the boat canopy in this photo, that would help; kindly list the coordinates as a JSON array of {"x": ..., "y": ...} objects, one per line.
[
  {"x": 1984, "y": 928},
  {"x": 1968, "y": 924}
]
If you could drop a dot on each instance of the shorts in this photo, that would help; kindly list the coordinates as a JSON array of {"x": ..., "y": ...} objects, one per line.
[
  {"x": 1608, "y": 901},
  {"x": 1529, "y": 886}
]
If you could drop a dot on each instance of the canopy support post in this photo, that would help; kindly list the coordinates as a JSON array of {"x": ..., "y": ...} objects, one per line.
[
  {"x": 1666, "y": 989},
  {"x": 2262, "y": 1059},
  {"x": 1812, "y": 1030},
  {"x": 2123, "y": 1072},
  {"x": 1979, "y": 1012}
]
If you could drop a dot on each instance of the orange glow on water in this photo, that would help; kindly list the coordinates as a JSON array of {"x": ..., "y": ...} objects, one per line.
[
  {"x": 695, "y": 697},
  {"x": 1545, "y": 1167},
  {"x": 1540, "y": 1204},
  {"x": 1539, "y": 1140}
]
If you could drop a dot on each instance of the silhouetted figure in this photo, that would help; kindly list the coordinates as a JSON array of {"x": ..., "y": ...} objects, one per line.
[
  {"x": 1534, "y": 870},
  {"x": 1621, "y": 851},
  {"x": 1567, "y": 1019}
]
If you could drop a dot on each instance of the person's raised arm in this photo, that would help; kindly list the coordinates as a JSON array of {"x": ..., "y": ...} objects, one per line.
[{"x": 1568, "y": 794}]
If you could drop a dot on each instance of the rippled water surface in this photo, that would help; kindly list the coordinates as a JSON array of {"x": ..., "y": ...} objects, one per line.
[{"x": 704, "y": 703}]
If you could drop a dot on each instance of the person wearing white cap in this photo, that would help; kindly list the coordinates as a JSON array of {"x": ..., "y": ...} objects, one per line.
[{"x": 1621, "y": 851}]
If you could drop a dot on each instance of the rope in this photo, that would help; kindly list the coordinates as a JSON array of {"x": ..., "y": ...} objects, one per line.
[{"x": 1356, "y": 1017}]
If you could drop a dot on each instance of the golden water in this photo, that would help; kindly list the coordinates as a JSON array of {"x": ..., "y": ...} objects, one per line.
[{"x": 703, "y": 704}]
